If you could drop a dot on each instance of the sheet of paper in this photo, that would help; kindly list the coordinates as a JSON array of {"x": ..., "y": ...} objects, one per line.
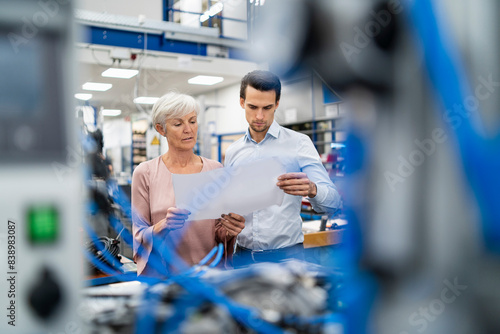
[{"x": 242, "y": 189}]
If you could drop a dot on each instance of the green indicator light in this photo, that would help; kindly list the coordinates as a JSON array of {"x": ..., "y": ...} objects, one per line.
[{"x": 43, "y": 223}]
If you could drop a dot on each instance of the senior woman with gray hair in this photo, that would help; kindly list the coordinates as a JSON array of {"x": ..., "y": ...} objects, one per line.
[{"x": 153, "y": 201}]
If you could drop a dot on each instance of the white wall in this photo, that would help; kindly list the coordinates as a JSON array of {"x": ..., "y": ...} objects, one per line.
[
  {"x": 190, "y": 20},
  {"x": 230, "y": 117},
  {"x": 117, "y": 136},
  {"x": 236, "y": 9},
  {"x": 153, "y": 9},
  {"x": 117, "y": 133},
  {"x": 295, "y": 95},
  {"x": 224, "y": 115}
]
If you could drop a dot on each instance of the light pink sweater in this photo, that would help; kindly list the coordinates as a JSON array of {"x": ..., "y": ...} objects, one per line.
[{"x": 152, "y": 195}]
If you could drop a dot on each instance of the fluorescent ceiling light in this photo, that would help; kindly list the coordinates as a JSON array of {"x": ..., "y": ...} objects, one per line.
[
  {"x": 111, "y": 112},
  {"x": 214, "y": 10},
  {"x": 205, "y": 80},
  {"x": 119, "y": 73},
  {"x": 146, "y": 100},
  {"x": 83, "y": 96},
  {"x": 96, "y": 86}
]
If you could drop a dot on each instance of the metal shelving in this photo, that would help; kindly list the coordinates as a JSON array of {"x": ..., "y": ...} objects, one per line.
[{"x": 322, "y": 132}]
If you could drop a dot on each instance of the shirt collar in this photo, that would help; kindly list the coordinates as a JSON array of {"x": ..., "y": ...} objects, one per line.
[{"x": 274, "y": 130}]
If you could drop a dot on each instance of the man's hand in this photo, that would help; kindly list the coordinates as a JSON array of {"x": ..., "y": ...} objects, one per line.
[
  {"x": 233, "y": 223},
  {"x": 174, "y": 220},
  {"x": 297, "y": 184}
]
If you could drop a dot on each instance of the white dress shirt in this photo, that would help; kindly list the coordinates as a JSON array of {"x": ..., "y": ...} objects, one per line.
[{"x": 281, "y": 226}]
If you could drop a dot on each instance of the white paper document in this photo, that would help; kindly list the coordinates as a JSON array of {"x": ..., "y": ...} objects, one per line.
[{"x": 242, "y": 189}]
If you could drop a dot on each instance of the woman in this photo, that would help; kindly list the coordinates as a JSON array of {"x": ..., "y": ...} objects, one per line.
[{"x": 175, "y": 118}]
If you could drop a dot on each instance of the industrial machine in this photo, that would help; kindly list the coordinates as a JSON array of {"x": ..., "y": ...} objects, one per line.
[
  {"x": 40, "y": 174},
  {"x": 420, "y": 79}
]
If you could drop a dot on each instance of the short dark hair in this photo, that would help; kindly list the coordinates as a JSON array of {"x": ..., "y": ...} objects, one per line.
[{"x": 261, "y": 80}]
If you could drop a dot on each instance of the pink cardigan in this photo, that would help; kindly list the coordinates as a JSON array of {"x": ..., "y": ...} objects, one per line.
[{"x": 152, "y": 195}]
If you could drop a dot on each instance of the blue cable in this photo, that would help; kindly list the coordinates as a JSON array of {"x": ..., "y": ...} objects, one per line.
[
  {"x": 203, "y": 261},
  {"x": 479, "y": 155},
  {"x": 215, "y": 262},
  {"x": 218, "y": 258},
  {"x": 208, "y": 257},
  {"x": 146, "y": 315}
]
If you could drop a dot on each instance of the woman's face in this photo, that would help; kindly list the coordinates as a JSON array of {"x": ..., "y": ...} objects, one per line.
[{"x": 182, "y": 132}]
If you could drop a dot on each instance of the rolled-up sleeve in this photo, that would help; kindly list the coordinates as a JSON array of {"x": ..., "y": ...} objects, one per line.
[
  {"x": 142, "y": 228},
  {"x": 327, "y": 199}
]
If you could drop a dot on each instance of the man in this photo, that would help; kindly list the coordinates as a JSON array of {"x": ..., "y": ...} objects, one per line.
[{"x": 275, "y": 233}]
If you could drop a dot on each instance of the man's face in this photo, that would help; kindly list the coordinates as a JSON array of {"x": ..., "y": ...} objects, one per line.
[{"x": 259, "y": 109}]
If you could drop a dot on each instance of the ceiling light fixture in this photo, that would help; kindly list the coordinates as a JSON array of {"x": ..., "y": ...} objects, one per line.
[
  {"x": 119, "y": 73},
  {"x": 146, "y": 100},
  {"x": 214, "y": 10},
  {"x": 205, "y": 80},
  {"x": 83, "y": 96},
  {"x": 111, "y": 112},
  {"x": 97, "y": 86}
]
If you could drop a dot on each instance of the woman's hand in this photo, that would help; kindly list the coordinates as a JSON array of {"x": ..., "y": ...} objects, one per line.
[
  {"x": 233, "y": 223},
  {"x": 174, "y": 220}
]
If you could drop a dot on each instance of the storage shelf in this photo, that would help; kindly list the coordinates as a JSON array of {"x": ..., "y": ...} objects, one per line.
[
  {"x": 307, "y": 132},
  {"x": 322, "y": 137},
  {"x": 138, "y": 148}
]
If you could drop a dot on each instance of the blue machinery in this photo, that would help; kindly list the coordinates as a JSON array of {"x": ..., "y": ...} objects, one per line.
[
  {"x": 417, "y": 149},
  {"x": 40, "y": 174}
]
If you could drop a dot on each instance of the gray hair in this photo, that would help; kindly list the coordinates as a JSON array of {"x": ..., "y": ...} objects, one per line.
[{"x": 173, "y": 105}]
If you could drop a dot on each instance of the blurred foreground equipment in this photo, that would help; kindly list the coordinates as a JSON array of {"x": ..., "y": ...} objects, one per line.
[
  {"x": 40, "y": 176},
  {"x": 291, "y": 296},
  {"x": 423, "y": 145}
]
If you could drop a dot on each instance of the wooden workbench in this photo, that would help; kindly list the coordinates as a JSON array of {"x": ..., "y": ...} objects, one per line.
[{"x": 324, "y": 238}]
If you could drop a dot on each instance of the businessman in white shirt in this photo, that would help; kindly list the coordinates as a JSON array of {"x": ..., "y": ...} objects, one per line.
[{"x": 275, "y": 233}]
